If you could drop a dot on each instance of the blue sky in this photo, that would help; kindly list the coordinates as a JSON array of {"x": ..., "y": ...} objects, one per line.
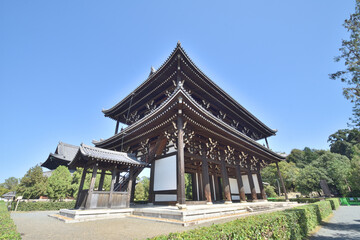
[{"x": 62, "y": 62}]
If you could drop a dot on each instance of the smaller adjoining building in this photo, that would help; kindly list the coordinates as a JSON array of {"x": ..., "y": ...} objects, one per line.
[{"x": 10, "y": 196}]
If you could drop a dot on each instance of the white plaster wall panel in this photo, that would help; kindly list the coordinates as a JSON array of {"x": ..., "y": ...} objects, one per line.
[
  {"x": 233, "y": 186},
  {"x": 165, "y": 174},
  {"x": 165, "y": 198},
  {"x": 235, "y": 197},
  {"x": 256, "y": 183},
  {"x": 171, "y": 149},
  {"x": 246, "y": 183}
]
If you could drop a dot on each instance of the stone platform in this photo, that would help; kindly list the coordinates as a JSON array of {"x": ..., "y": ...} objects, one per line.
[{"x": 193, "y": 214}]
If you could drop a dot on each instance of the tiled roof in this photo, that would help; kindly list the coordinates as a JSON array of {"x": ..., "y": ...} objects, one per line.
[{"x": 105, "y": 155}]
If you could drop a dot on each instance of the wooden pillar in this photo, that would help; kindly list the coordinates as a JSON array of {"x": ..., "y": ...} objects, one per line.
[
  {"x": 101, "y": 182},
  {"x": 261, "y": 185},
  {"x": 252, "y": 186},
  {"x": 205, "y": 180},
  {"x": 198, "y": 186},
  {"x": 225, "y": 181},
  {"x": 201, "y": 189},
  {"x": 240, "y": 184},
  {"x": 133, "y": 191},
  {"x": 151, "y": 187},
  {"x": 129, "y": 188},
  {"x": 282, "y": 182},
  {"x": 194, "y": 186},
  {"x": 180, "y": 160},
  {"x": 113, "y": 180},
  {"x": 91, "y": 188},
  {"x": 217, "y": 188},
  {"x": 81, "y": 186},
  {"x": 117, "y": 127}
]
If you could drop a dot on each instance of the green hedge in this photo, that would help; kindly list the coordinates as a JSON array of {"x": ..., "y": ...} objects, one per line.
[
  {"x": 7, "y": 226},
  {"x": 42, "y": 206},
  {"x": 299, "y": 200},
  {"x": 335, "y": 203},
  {"x": 295, "y": 223}
]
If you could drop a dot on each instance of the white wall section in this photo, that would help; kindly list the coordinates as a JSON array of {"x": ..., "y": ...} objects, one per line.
[
  {"x": 165, "y": 174},
  {"x": 233, "y": 186},
  {"x": 245, "y": 180},
  {"x": 256, "y": 183}
]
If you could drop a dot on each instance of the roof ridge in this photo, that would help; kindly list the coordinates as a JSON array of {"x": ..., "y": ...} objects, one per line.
[{"x": 146, "y": 80}]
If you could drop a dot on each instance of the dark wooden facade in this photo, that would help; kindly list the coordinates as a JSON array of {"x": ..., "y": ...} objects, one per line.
[{"x": 180, "y": 120}]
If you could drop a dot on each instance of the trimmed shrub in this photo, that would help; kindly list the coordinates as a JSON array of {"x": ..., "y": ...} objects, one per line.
[
  {"x": 7, "y": 226},
  {"x": 42, "y": 206},
  {"x": 295, "y": 223},
  {"x": 335, "y": 203},
  {"x": 299, "y": 200}
]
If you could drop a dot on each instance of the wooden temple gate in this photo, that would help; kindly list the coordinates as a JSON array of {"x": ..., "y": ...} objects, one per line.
[{"x": 178, "y": 122}]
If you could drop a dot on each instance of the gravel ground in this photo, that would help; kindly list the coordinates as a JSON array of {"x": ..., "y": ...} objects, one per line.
[
  {"x": 345, "y": 224},
  {"x": 37, "y": 225}
]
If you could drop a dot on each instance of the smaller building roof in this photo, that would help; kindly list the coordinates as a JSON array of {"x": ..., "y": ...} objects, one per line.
[
  {"x": 9, "y": 195},
  {"x": 86, "y": 153},
  {"x": 63, "y": 155}
]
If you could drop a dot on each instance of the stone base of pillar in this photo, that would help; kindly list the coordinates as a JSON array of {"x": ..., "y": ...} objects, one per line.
[
  {"x": 181, "y": 206},
  {"x": 228, "y": 202}
]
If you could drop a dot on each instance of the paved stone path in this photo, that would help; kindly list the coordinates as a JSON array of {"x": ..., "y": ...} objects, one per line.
[
  {"x": 345, "y": 224},
  {"x": 37, "y": 225}
]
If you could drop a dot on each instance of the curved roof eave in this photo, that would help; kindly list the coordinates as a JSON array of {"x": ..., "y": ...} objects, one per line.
[
  {"x": 166, "y": 103},
  {"x": 110, "y": 111},
  {"x": 107, "y": 112},
  {"x": 231, "y": 99}
]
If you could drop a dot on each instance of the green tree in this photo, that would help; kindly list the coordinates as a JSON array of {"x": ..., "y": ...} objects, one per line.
[
  {"x": 304, "y": 157},
  {"x": 142, "y": 189},
  {"x": 11, "y": 183},
  {"x": 337, "y": 168},
  {"x": 354, "y": 175},
  {"x": 3, "y": 190},
  {"x": 350, "y": 54},
  {"x": 270, "y": 191},
  {"x": 289, "y": 172},
  {"x": 33, "y": 184},
  {"x": 59, "y": 183},
  {"x": 75, "y": 182},
  {"x": 343, "y": 141},
  {"x": 188, "y": 186},
  {"x": 309, "y": 179}
]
